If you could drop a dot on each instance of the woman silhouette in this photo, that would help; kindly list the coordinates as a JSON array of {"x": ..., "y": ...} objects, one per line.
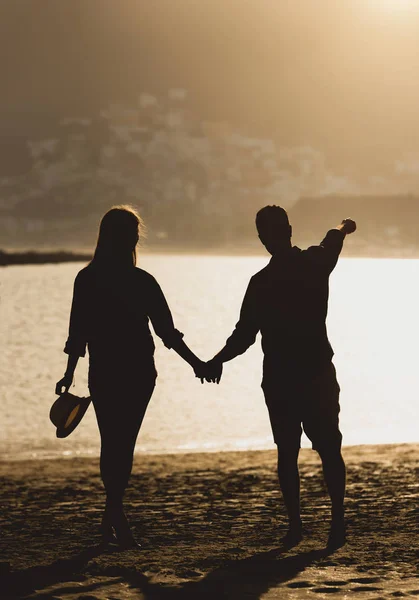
[{"x": 113, "y": 302}]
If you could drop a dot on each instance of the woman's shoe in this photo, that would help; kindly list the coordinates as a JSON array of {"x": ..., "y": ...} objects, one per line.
[
  {"x": 123, "y": 534},
  {"x": 106, "y": 528},
  {"x": 128, "y": 542},
  {"x": 292, "y": 538}
]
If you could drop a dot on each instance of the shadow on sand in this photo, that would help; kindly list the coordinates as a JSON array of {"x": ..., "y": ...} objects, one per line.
[
  {"x": 245, "y": 578},
  {"x": 24, "y": 582}
]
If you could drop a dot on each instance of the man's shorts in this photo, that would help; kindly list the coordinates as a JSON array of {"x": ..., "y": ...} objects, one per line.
[{"x": 311, "y": 404}]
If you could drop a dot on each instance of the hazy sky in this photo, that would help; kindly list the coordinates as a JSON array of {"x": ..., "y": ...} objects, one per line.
[{"x": 340, "y": 75}]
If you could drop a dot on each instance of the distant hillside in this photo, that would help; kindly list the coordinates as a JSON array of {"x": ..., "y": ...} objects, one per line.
[
  {"x": 387, "y": 225},
  {"x": 40, "y": 258}
]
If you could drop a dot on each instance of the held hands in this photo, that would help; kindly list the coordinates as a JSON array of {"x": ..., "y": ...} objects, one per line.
[
  {"x": 65, "y": 383},
  {"x": 211, "y": 371}
]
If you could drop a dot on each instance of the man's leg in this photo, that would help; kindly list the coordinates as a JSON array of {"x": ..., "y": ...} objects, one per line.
[
  {"x": 321, "y": 424},
  {"x": 335, "y": 477},
  {"x": 334, "y": 472},
  {"x": 282, "y": 404},
  {"x": 289, "y": 481}
]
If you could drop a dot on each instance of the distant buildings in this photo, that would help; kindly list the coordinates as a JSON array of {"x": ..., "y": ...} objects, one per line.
[{"x": 194, "y": 180}]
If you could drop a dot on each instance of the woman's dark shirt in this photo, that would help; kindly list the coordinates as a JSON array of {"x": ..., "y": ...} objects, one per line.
[{"x": 110, "y": 315}]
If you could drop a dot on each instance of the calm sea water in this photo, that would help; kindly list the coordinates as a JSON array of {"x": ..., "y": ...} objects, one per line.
[{"x": 373, "y": 326}]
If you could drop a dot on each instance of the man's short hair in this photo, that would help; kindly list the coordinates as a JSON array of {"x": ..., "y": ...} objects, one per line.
[{"x": 272, "y": 219}]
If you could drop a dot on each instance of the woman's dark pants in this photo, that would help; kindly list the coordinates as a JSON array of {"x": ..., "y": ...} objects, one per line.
[{"x": 120, "y": 411}]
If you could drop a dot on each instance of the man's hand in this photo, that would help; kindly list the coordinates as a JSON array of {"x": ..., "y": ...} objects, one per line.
[
  {"x": 65, "y": 383},
  {"x": 348, "y": 226},
  {"x": 214, "y": 371}
]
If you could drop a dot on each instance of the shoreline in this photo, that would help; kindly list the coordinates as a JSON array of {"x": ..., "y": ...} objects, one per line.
[
  {"x": 66, "y": 455},
  {"x": 35, "y": 257}
]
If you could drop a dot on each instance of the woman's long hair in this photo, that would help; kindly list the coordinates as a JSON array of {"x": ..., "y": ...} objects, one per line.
[{"x": 119, "y": 232}]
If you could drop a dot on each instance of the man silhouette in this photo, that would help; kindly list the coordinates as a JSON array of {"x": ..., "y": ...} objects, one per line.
[{"x": 287, "y": 302}]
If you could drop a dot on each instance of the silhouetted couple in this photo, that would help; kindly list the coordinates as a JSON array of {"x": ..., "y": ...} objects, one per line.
[{"x": 287, "y": 302}]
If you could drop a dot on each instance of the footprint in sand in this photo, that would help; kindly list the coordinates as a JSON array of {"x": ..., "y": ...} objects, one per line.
[
  {"x": 366, "y": 588},
  {"x": 327, "y": 590},
  {"x": 300, "y": 584},
  {"x": 366, "y": 580}
]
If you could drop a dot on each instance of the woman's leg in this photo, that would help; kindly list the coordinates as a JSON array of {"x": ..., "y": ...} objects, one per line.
[
  {"x": 119, "y": 425},
  {"x": 116, "y": 459}
]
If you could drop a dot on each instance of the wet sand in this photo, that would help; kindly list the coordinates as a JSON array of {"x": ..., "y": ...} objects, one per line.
[{"x": 210, "y": 526}]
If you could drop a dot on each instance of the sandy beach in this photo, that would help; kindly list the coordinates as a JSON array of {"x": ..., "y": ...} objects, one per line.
[{"x": 210, "y": 526}]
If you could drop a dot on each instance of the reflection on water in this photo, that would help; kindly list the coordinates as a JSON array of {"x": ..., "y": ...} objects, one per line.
[{"x": 373, "y": 327}]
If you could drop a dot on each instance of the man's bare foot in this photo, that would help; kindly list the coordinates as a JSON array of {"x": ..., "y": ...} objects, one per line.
[
  {"x": 293, "y": 537},
  {"x": 337, "y": 534}
]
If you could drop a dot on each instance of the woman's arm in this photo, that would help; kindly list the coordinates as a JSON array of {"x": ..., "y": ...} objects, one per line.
[
  {"x": 77, "y": 337},
  {"x": 162, "y": 321},
  {"x": 186, "y": 353},
  {"x": 67, "y": 380}
]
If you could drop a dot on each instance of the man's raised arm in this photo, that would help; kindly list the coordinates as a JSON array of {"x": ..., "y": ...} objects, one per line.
[{"x": 328, "y": 251}]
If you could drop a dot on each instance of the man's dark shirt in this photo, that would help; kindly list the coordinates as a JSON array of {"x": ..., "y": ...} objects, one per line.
[{"x": 287, "y": 302}]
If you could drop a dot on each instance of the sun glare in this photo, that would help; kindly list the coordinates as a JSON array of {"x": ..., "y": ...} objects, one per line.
[{"x": 397, "y": 5}]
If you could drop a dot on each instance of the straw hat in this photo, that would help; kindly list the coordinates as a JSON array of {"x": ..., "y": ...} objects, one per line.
[{"x": 67, "y": 412}]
